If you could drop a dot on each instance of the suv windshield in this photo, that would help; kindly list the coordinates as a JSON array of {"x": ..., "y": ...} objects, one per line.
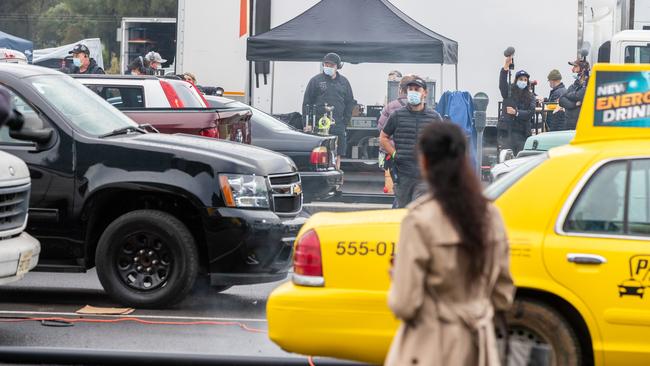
[
  {"x": 496, "y": 189},
  {"x": 94, "y": 115}
]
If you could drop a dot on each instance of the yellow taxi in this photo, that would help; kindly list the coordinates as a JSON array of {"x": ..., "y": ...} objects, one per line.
[{"x": 578, "y": 219}]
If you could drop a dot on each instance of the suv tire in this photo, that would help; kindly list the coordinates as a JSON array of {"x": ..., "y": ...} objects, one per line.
[{"x": 147, "y": 258}]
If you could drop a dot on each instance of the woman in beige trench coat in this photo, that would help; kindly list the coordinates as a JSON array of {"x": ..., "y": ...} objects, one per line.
[{"x": 451, "y": 270}]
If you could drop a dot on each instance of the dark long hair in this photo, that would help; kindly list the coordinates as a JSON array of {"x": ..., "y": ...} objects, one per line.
[{"x": 457, "y": 188}]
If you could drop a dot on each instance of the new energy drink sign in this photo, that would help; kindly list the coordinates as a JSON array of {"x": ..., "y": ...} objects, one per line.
[{"x": 622, "y": 99}]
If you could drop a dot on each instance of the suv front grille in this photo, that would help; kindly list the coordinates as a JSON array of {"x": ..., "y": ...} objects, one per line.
[
  {"x": 14, "y": 204},
  {"x": 286, "y": 191}
]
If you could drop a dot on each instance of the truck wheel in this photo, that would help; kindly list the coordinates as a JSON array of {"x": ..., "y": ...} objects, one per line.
[
  {"x": 534, "y": 324},
  {"x": 147, "y": 258}
]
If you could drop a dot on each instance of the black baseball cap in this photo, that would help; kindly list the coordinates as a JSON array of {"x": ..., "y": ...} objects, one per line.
[
  {"x": 79, "y": 48},
  {"x": 418, "y": 81}
]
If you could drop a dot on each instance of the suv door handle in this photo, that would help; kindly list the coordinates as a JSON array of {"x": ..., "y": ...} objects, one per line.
[{"x": 580, "y": 258}]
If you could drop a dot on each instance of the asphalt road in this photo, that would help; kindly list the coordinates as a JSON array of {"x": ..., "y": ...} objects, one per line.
[
  {"x": 237, "y": 316},
  {"x": 60, "y": 295}
]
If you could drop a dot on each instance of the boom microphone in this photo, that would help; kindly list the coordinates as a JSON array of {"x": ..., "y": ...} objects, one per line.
[
  {"x": 509, "y": 51},
  {"x": 584, "y": 53}
]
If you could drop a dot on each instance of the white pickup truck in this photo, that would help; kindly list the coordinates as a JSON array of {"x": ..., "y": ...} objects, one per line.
[{"x": 19, "y": 251}]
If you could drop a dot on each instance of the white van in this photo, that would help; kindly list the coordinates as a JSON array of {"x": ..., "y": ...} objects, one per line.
[{"x": 19, "y": 251}]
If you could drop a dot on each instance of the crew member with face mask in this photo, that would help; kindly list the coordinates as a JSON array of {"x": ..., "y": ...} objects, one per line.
[
  {"x": 571, "y": 101},
  {"x": 404, "y": 126},
  {"x": 514, "y": 124},
  {"x": 82, "y": 62},
  {"x": 331, "y": 88}
]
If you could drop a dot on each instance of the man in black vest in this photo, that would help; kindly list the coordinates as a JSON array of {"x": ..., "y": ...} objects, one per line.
[{"x": 404, "y": 126}]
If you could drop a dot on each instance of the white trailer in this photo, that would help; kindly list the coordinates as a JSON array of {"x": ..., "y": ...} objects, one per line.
[
  {"x": 138, "y": 36},
  {"x": 212, "y": 44}
]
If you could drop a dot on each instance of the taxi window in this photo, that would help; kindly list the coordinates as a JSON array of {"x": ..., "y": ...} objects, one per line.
[
  {"x": 639, "y": 198},
  {"x": 600, "y": 207},
  {"x": 496, "y": 189}
]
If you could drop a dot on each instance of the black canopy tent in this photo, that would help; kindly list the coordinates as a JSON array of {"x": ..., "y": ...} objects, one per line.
[{"x": 359, "y": 31}]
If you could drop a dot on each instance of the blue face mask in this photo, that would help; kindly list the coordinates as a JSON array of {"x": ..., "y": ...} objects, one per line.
[
  {"x": 522, "y": 84},
  {"x": 329, "y": 71},
  {"x": 575, "y": 75},
  {"x": 76, "y": 62},
  {"x": 414, "y": 97}
]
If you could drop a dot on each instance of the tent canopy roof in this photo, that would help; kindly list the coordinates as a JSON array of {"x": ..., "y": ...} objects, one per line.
[{"x": 358, "y": 30}]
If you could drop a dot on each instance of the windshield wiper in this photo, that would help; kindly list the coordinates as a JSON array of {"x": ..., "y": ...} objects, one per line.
[{"x": 122, "y": 131}]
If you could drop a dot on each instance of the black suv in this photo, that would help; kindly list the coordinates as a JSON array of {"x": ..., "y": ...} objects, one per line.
[{"x": 150, "y": 211}]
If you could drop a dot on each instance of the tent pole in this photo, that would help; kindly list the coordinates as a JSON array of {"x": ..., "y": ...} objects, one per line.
[
  {"x": 442, "y": 79},
  {"x": 272, "y": 85},
  {"x": 456, "y": 72}
]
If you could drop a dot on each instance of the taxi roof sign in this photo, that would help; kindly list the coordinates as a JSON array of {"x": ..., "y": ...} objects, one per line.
[{"x": 616, "y": 105}]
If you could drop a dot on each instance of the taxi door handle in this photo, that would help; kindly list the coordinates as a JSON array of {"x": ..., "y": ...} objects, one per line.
[{"x": 580, "y": 258}]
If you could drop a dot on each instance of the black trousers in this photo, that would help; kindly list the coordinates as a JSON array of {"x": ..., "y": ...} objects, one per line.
[
  {"x": 408, "y": 189},
  {"x": 511, "y": 139}
]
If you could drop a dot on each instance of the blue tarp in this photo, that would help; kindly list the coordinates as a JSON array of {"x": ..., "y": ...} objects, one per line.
[
  {"x": 17, "y": 44},
  {"x": 459, "y": 108}
]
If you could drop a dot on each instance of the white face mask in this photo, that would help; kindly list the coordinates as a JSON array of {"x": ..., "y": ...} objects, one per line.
[
  {"x": 414, "y": 97},
  {"x": 329, "y": 71},
  {"x": 522, "y": 84}
]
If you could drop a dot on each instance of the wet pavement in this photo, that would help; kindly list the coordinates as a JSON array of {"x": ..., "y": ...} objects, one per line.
[{"x": 232, "y": 323}]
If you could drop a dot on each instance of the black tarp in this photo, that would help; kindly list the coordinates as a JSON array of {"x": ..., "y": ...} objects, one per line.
[
  {"x": 17, "y": 44},
  {"x": 358, "y": 30}
]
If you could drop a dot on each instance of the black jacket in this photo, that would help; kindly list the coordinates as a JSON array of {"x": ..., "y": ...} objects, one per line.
[
  {"x": 569, "y": 101},
  {"x": 336, "y": 92},
  {"x": 556, "y": 121},
  {"x": 93, "y": 68},
  {"x": 522, "y": 101},
  {"x": 404, "y": 126}
]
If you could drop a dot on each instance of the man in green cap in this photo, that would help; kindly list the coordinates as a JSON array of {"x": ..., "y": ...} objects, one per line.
[{"x": 555, "y": 120}]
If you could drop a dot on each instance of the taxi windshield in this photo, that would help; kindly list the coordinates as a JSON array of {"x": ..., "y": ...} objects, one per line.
[{"x": 496, "y": 189}]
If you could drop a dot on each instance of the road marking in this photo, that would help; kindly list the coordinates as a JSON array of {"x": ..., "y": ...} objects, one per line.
[{"x": 167, "y": 317}]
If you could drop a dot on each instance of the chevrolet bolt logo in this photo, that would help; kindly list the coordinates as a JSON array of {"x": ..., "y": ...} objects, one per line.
[{"x": 12, "y": 171}]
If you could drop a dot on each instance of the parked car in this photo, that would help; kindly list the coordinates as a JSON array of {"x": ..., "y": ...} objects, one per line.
[
  {"x": 313, "y": 154},
  {"x": 170, "y": 106},
  {"x": 19, "y": 251},
  {"x": 151, "y": 211},
  {"x": 12, "y": 56},
  {"x": 534, "y": 145}
]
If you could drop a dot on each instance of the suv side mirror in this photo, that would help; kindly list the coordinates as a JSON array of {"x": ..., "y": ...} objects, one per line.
[
  {"x": 505, "y": 155},
  {"x": 39, "y": 136},
  {"x": 18, "y": 130}
]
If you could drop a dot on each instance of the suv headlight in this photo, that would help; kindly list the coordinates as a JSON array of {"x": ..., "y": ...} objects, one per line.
[{"x": 244, "y": 191}]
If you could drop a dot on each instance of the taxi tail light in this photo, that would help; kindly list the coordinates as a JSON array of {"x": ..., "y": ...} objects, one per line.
[{"x": 307, "y": 261}]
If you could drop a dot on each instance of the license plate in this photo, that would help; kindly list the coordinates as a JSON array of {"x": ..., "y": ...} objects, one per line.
[{"x": 23, "y": 263}]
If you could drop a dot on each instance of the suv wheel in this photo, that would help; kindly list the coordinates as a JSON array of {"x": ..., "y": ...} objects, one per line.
[
  {"x": 147, "y": 258},
  {"x": 536, "y": 326}
]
